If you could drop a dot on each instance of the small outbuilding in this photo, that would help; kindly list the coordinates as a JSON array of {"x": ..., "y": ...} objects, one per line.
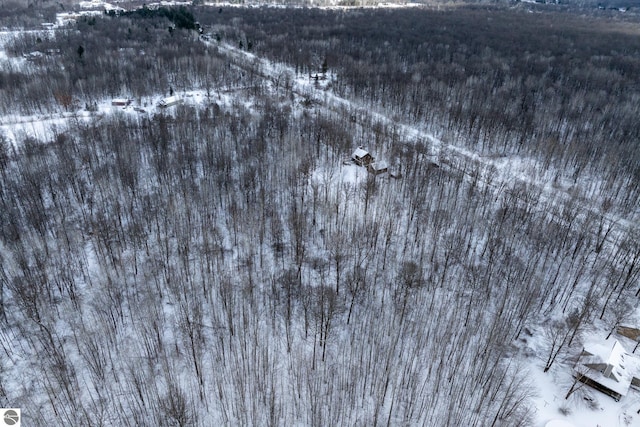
[
  {"x": 609, "y": 369},
  {"x": 362, "y": 157},
  {"x": 170, "y": 101},
  {"x": 120, "y": 102},
  {"x": 631, "y": 333},
  {"x": 378, "y": 168}
]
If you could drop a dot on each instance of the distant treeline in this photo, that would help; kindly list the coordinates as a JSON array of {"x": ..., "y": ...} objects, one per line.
[{"x": 181, "y": 17}]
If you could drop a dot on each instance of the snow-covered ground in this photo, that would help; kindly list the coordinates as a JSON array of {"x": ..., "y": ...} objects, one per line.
[
  {"x": 586, "y": 407},
  {"x": 11, "y": 62},
  {"x": 44, "y": 127},
  {"x": 504, "y": 173},
  {"x": 552, "y": 409}
]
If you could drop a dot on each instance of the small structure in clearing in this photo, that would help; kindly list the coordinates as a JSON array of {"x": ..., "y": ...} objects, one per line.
[
  {"x": 120, "y": 102},
  {"x": 170, "y": 101},
  {"x": 631, "y": 333},
  {"x": 610, "y": 370},
  {"x": 378, "y": 168},
  {"x": 362, "y": 157}
]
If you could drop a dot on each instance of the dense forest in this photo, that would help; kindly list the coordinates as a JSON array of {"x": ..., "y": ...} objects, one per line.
[{"x": 213, "y": 264}]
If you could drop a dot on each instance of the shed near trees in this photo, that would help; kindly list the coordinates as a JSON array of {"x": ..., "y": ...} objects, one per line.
[
  {"x": 362, "y": 157},
  {"x": 120, "y": 102},
  {"x": 169, "y": 101},
  {"x": 631, "y": 333},
  {"x": 378, "y": 168}
]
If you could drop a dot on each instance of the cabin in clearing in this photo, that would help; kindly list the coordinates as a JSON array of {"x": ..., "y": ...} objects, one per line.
[{"x": 362, "y": 157}]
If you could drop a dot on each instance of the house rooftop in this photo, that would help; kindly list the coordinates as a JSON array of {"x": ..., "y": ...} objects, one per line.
[
  {"x": 360, "y": 152},
  {"x": 171, "y": 100},
  {"x": 609, "y": 365}
]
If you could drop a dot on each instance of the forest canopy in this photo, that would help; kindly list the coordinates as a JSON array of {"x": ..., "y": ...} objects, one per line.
[
  {"x": 181, "y": 17},
  {"x": 222, "y": 261}
]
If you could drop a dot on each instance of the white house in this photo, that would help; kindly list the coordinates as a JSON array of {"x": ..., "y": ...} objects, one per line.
[{"x": 608, "y": 368}]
